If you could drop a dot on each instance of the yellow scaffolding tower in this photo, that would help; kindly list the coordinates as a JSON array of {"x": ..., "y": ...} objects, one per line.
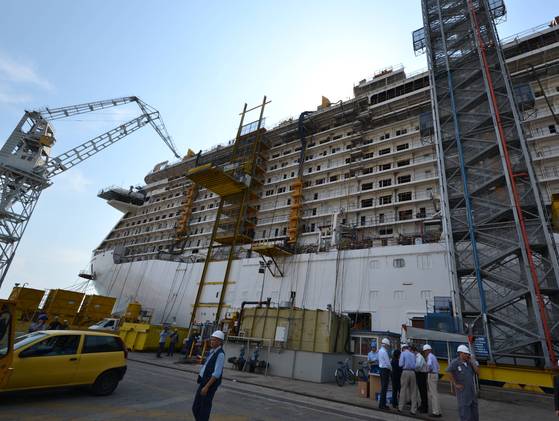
[{"x": 236, "y": 183}]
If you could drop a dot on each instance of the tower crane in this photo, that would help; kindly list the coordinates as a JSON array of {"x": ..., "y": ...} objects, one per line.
[{"x": 27, "y": 167}]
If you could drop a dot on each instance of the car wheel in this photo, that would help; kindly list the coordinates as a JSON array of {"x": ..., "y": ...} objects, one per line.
[{"x": 105, "y": 384}]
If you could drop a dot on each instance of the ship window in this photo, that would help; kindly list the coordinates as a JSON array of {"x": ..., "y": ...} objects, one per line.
[
  {"x": 315, "y": 197},
  {"x": 314, "y": 212},
  {"x": 367, "y": 203},
  {"x": 384, "y": 151},
  {"x": 404, "y": 179},
  {"x": 402, "y": 197},
  {"x": 385, "y": 200},
  {"x": 552, "y": 129},
  {"x": 402, "y": 147},
  {"x": 385, "y": 183},
  {"x": 399, "y": 263}
]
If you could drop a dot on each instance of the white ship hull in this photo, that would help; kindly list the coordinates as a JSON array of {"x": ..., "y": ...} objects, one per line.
[{"x": 356, "y": 281}]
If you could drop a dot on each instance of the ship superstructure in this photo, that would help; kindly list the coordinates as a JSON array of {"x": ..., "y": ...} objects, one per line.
[{"x": 349, "y": 219}]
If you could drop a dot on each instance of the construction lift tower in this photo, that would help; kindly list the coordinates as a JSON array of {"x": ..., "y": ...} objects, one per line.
[
  {"x": 26, "y": 165},
  {"x": 503, "y": 256}
]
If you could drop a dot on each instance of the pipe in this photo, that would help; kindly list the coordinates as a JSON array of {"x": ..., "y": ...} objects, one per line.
[{"x": 244, "y": 303}]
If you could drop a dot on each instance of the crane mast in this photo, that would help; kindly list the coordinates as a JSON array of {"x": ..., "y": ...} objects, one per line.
[{"x": 27, "y": 167}]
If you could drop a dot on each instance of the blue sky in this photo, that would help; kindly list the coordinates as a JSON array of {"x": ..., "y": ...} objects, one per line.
[{"x": 197, "y": 63}]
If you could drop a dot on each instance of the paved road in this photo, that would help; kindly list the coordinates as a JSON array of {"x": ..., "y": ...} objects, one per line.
[{"x": 149, "y": 392}]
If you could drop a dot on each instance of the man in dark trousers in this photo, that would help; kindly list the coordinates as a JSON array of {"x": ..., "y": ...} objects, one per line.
[
  {"x": 209, "y": 378},
  {"x": 173, "y": 339},
  {"x": 384, "y": 370},
  {"x": 463, "y": 371}
]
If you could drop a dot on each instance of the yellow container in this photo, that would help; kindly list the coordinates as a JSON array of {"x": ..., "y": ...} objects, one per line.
[
  {"x": 64, "y": 304},
  {"x": 306, "y": 330},
  {"x": 27, "y": 301},
  {"x": 95, "y": 308},
  {"x": 145, "y": 337},
  {"x": 133, "y": 311}
]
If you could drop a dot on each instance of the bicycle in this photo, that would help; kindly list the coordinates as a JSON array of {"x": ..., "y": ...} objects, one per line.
[
  {"x": 363, "y": 370},
  {"x": 344, "y": 374}
]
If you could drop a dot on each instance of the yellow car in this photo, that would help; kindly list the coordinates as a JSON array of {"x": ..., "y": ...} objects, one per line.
[{"x": 60, "y": 358}]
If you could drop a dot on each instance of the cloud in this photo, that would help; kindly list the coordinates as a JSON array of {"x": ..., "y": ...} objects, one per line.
[
  {"x": 7, "y": 97},
  {"x": 17, "y": 79},
  {"x": 73, "y": 181},
  {"x": 17, "y": 72}
]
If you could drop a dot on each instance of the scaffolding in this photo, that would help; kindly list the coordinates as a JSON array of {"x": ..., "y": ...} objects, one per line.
[
  {"x": 181, "y": 230},
  {"x": 236, "y": 182},
  {"x": 503, "y": 256}
]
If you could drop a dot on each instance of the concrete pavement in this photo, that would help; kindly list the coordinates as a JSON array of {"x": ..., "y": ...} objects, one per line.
[
  {"x": 510, "y": 406},
  {"x": 162, "y": 389},
  {"x": 159, "y": 393}
]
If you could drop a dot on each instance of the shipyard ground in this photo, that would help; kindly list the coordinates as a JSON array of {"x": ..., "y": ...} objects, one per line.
[{"x": 160, "y": 389}]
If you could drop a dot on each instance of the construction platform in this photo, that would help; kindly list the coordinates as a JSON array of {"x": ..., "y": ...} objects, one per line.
[
  {"x": 216, "y": 180},
  {"x": 270, "y": 250}
]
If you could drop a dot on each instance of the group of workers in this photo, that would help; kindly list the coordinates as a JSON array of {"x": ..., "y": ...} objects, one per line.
[
  {"x": 415, "y": 375},
  {"x": 42, "y": 324},
  {"x": 173, "y": 337}
]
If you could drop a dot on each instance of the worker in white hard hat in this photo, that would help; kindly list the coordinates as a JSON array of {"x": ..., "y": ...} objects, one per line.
[
  {"x": 209, "y": 378},
  {"x": 433, "y": 369},
  {"x": 463, "y": 370},
  {"x": 384, "y": 371},
  {"x": 408, "y": 385}
]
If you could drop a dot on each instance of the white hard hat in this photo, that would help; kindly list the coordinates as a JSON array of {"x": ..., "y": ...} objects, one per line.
[
  {"x": 385, "y": 341},
  {"x": 405, "y": 345},
  {"x": 218, "y": 334},
  {"x": 464, "y": 349},
  {"x": 427, "y": 347}
]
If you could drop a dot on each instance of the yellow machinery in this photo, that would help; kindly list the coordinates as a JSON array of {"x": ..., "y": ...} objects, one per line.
[
  {"x": 95, "y": 308},
  {"x": 64, "y": 304},
  {"x": 27, "y": 302}
]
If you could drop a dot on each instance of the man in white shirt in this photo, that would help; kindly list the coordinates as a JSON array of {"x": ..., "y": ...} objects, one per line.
[
  {"x": 433, "y": 369},
  {"x": 421, "y": 379},
  {"x": 384, "y": 370}
]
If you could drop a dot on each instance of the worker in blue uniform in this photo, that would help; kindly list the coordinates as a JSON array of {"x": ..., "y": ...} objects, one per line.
[
  {"x": 463, "y": 371},
  {"x": 209, "y": 378}
]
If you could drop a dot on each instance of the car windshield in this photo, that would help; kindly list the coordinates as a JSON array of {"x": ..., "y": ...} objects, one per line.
[{"x": 21, "y": 341}]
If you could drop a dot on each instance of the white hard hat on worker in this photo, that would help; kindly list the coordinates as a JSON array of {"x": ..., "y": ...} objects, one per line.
[
  {"x": 464, "y": 349},
  {"x": 427, "y": 347},
  {"x": 385, "y": 341},
  {"x": 219, "y": 335}
]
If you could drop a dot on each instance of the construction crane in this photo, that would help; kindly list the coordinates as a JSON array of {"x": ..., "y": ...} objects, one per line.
[{"x": 27, "y": 168}]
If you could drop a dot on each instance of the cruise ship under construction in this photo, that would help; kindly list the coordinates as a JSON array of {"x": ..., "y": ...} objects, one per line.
[{"x": 425, "y": 187}]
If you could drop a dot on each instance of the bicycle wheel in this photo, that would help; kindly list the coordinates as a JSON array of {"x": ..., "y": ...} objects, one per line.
[
  {"x": 350, "y": 376},
  {"x": 340, "y": 377},
  {"x": 361, "y": 374}
]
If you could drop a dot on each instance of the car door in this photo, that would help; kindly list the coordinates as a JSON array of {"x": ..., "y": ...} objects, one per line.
[
  {"x": 52, "y": 361},
  {"x": 99, "y": 353},
  {"x": 7, "y": 330}
]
